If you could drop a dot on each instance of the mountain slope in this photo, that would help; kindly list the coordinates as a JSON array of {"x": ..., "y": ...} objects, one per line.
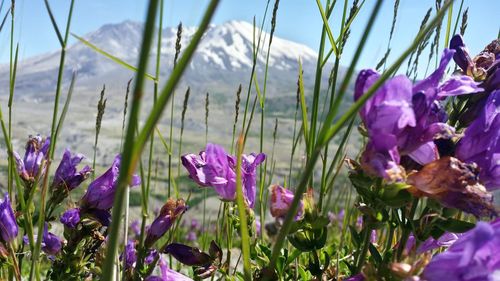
[{"x": 223, "y": 58}]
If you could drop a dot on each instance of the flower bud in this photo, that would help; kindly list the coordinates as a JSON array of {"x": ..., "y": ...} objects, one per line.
[
  {"x": 168, "y": 214},
  {"x": 281, "y": 200}
]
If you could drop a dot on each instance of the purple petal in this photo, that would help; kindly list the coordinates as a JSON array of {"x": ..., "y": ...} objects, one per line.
[
  {"x": 458, "y": 85},
  {"x": 429, "y": 85},
  {"x": 71, "y": 217},
  {"x": 52, "y": 243},
  {"x": 194, "y": 164},
  {"x": 8, "y": 224},
  {"x": 426, "y": 153}
]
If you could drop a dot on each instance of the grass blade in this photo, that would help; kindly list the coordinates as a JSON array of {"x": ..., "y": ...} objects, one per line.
[
  {"x": 111, "y": 57},
  {"x": 245, "y": 241},
  {"x": 133, "y": 147},
  {"x": 448, "y": 26},
  {"x": 4, "y": 19},
  {"x": 327, "y": 27},
  {"x": 128, "y": 163},
  {"x": 54, "y": 24},
  {"x": 66, "y": 105},
  {"x": 163, "y": 141},
  {"x": 303, "y": 106}
]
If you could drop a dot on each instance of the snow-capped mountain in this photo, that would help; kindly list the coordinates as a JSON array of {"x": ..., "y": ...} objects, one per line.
[{"x": 223, "y": 59}]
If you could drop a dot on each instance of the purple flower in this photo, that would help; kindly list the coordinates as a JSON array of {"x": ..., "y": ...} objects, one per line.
[
  {"x": 480, "y": 67},
  {"x": 167, "y": 274},
  {"x": 168, "y": 214},
  {"x": 66, "y": 174},
  {"x": 191, "y": 236},
  {"x": 151, "y": 256},
  {"x": 248, "y": 166},
  {"x": 195, "y": 224},
  {"x": 101, "y": 192},
  {"x": 257, "y": 227},
  {"x": 481, "y": 143},
  {"x": 404, "y": 119},
  {"x": 446, "y": 240},
  {"x": 474, "y": 256},
  {"x": 410, "y": 244},
  {"x": 336, "y": 218},
  {"x": 51, "y": 244},
  {"x": 373, "y": 236},
  {"x": 71, "y": 217},
  {"x": 214, "y": 167},
  {"x": 357, "y": 277},
  {"x": 211, "y": 168},
  {"x": 485, "y": 67},
  {"x": 359, "y": 222},
  {"x": 281, "y": 200},
  {"x": 30, "y": 167},
  {"x": 8, "y": 224},
  {"x": 135, "y": 227},
  {"x": 129, "y": 255},
  {"x": 154, "y": 278}
]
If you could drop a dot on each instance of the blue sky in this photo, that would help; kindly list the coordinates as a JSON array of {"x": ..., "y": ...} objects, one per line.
[{"x": 298, "y": 20}]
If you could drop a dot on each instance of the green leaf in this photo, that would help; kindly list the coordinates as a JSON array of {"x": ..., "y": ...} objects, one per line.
[
  {"x": 375, "y": 254},
  {"x": 356, "y": 238},
  {"x": 454, "y": 225},
  {"x": 295, "y": 254},
  {"x": 400, "y": 199},
  {"x": 320, "y": 222}
]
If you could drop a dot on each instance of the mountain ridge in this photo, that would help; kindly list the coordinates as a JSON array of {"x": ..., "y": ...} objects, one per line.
[{"x": 224, "y": 56}]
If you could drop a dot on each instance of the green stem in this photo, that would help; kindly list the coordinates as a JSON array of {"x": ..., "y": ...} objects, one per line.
[
  {"x": 245, "y": 241},
  {"x": 364, "y": 250},
  {"x": 15, "y": 265},
  {"x": 255, "y": 52},
  {"x": 407, "y": 229},
  {"x": 35, "y": 265},
  {"x": 127, "y": 164}
]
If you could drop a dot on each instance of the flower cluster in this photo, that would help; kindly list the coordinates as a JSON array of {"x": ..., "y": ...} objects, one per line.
[
  {"x": 98, "y": 199},
  {"x": 32, "y": 167},
  {"x": 419, "y": 148},
  {"x": 403, "y": 118}
]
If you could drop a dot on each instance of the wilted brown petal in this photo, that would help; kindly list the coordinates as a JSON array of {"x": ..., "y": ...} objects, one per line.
[{"x": 454, "y": 184}]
